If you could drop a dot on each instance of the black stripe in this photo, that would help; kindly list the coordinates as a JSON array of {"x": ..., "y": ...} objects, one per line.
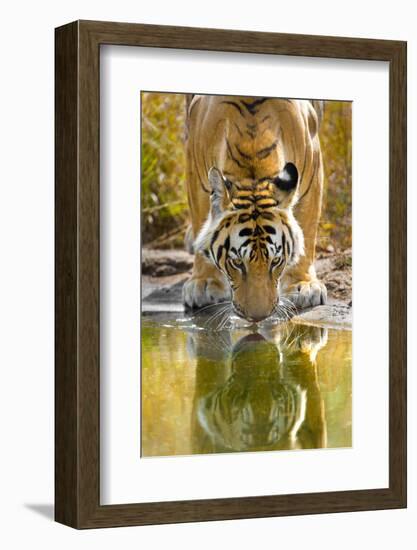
[
  {"x": 267, "y": 178},
  {"x": 242, "y": 154},
  {"x": 264, "y": 153},
  {"x": 267, "y": 215},
  {"x": 234, "y": 104},
  {"x": 219, "y": 254},
  {"x": 229, "y": 150},
  {"x": 251, "y": 107},
  {"x": 193, "y": 104},
  {"x": 316, "y": 158},
  {"x": 227, "y": 269},
  {"x": 238, "y": 206},
  {"x": 305, "y": 156},
  {"x": 238, "y": 130},
  {"x": 214, "y": 237},
  {"x": 251, "y": 130},
  {"x": 270, "y": 205},
  {"x": 290, "y": 235},
  {"x": 243, "y": 195}
]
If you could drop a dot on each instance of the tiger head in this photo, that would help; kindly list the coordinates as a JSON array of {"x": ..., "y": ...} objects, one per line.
[
  {"x": 251, "y": 235},
  {"x": 255, "y": 409}
]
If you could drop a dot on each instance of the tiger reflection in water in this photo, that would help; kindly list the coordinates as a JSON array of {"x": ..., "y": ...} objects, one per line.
[{"x": 261, "y": 394}]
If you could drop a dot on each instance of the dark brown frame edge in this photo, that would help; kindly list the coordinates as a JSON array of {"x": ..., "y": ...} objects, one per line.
[{"x": 77, "y": 376}]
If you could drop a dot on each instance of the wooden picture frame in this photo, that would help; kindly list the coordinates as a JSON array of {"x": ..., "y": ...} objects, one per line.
[{"x": 77, "y": 371}]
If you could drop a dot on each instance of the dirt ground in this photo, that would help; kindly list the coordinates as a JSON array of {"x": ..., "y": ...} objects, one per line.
[{"x": 335, "y": 270}]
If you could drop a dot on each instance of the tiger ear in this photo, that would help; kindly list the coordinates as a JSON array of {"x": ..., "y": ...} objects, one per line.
[
  {"x": 286, "y": 186},
  {"x": 220, "y": 189}
]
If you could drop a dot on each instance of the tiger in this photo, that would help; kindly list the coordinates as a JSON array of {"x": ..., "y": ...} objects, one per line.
[
  {"x": 260, "y": 393},
  {"x": 254, "y": 187}
]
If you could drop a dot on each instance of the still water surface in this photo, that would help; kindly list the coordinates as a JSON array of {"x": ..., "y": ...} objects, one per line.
[{"x": 278, "y": 387}]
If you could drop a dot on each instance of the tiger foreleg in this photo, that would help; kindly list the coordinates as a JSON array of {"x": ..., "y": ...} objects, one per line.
[
  {"x": 303, "y": 288},
  {"x": 300, "y": 283},
  {"x": 206, "y": 286}
]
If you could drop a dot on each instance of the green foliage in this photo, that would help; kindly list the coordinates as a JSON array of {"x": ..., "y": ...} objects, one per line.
[{"x": 164, "y": 198}]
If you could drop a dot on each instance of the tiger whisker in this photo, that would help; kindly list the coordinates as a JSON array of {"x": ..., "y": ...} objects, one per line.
[
  {"x": 218, "y": 314},
  {"x": 289, "y": 334},
  {"x": 290, "y": 344},
  {"x": 290, "y": 311},
  {"x": 209, "y": 307},
  {"x": 223, "y": 317},
  {"x": 297, "y": 337},
  {"x": 203, "y": 309},
  {"x": 212, "y": 318},
  {"x": 288, "y": 303},
  {"x": 286, "y": 309}
]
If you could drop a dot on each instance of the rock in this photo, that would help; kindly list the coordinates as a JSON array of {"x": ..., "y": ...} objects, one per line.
[
  {"x": 163, "y": 289},
  {"x": 170, "y": 294},
  {"x": 163, "y": 263},
  {"x": 165, "y": 270},
  {"x": 333, "y": 315}
]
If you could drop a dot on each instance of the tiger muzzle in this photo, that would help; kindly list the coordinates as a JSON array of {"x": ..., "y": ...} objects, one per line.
[{"x": 253, "y": 315}]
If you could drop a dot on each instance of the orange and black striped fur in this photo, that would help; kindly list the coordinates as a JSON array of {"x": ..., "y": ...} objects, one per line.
[{"x": 255, "y": 178}]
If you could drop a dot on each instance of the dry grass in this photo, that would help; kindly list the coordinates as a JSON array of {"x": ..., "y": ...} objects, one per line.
[{"x": 336, "y": 142}]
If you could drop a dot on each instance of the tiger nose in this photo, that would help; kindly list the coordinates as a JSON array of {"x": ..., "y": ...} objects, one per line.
[
  {"x": 256, "y": 318},
  {"x": 253, "y": 318}
]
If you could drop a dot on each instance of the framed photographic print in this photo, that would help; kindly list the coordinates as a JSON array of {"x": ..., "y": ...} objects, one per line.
[{"x": 230, "y": 274}]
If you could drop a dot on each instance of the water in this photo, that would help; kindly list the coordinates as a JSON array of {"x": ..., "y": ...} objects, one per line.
[{"x": 239, "y": 388}]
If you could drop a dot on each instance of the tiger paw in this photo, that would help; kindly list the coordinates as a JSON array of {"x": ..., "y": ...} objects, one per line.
[
  {"x": 201, "y": 291},
  {"x": 306, "y": 293}
]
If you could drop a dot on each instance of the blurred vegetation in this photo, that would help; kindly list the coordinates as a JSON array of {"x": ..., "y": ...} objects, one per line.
[
  {"x": 163, "y": 192},
  {"x": 336, "y": 143},
  {"x": 164, "y": 198}
]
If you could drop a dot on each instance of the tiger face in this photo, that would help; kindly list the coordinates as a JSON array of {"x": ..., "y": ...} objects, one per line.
[
  {"x": 251, "y": 236},
  {"x": 255, "y": 408}
]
